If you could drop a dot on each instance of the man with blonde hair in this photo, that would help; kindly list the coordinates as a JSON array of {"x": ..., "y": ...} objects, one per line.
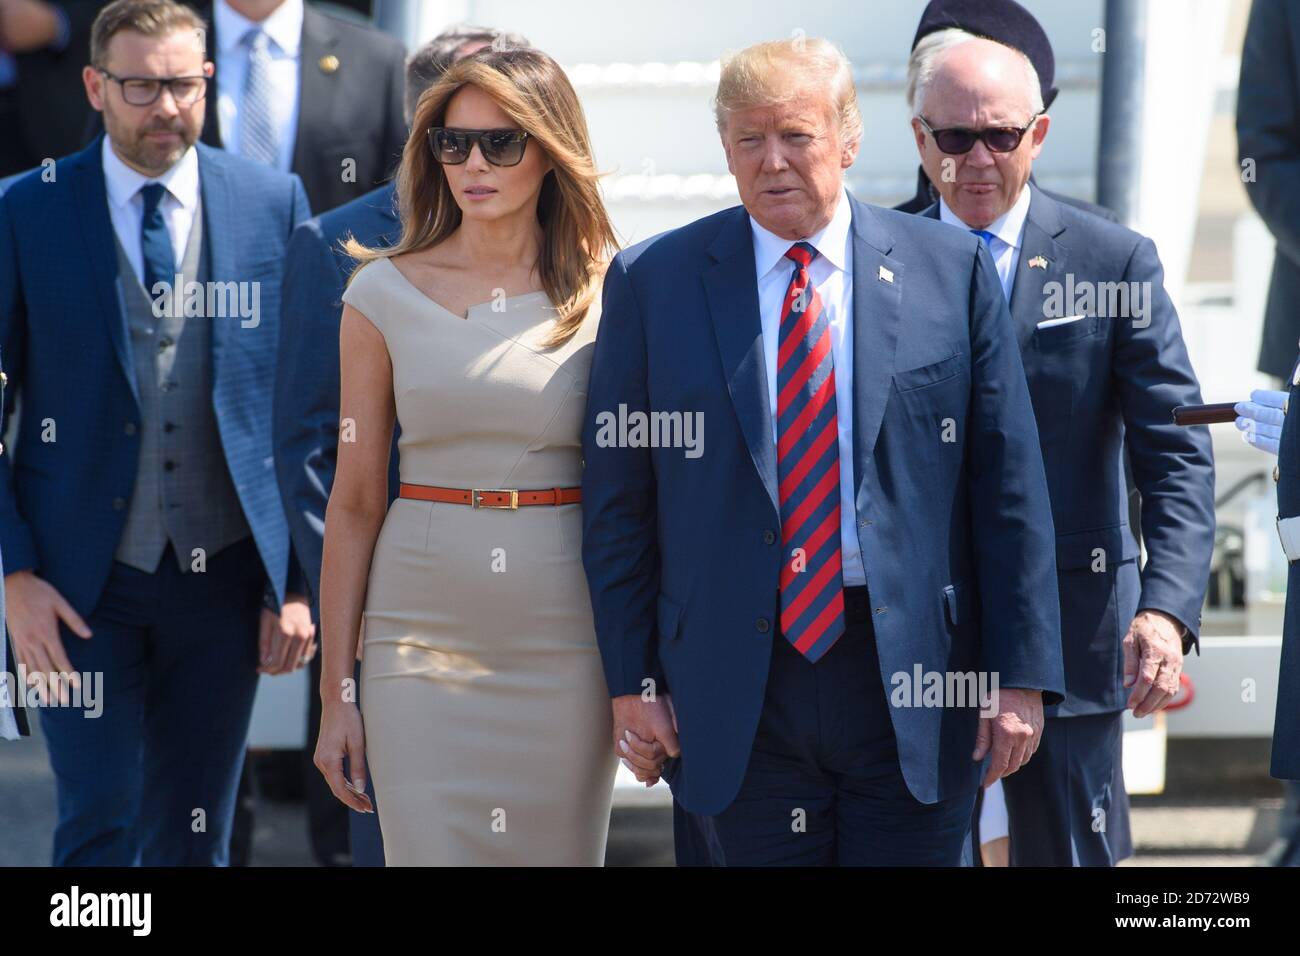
[{"x": 868, "y": 519}]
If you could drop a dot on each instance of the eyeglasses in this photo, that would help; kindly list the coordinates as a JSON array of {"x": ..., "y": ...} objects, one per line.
[
  {"x": 144, "y": 90},
  {"x": 500, "y": 147},
  {"x": 999, "y": 139}
]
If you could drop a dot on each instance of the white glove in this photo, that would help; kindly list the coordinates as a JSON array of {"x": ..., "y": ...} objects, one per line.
[{"x": 1260, "y": 419}]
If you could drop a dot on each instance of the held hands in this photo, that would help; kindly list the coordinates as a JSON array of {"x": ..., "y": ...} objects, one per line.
[
  {"x": 1153, "y": 661},
  {"x": 1260, "y": 419},
  {"x": 286, "y": 641},
  {"x": 645, "y": 734},
  {"x": 1013, "y": 733}
]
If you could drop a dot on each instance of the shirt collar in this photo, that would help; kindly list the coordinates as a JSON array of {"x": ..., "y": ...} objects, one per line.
[
  {"x": 831, "y": 242},
  {"x": 1008, "y": 227},
  {"x": 283, "y": 26},
  {"x": 122, "y": 182}
]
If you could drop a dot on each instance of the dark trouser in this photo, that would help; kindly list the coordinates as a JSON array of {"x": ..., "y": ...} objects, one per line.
[
  {"x": 1067, "y": 806},
  {"x": 823, "y": 786},
  {"x": 152, "y": 779}
]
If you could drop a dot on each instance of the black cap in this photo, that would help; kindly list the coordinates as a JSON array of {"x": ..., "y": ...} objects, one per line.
[{"x": 1003, "y": 21}]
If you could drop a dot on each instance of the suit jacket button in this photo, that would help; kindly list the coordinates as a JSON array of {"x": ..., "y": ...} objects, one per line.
[
  {"x": 881, "y": 610},
  {"x": 119, "y": 504},
  {"x": 864, "y": 523},
  {"x": 769, "y": 536},
  {"x": 130, "y": 428},
  {"x": 762, "y": 625}
]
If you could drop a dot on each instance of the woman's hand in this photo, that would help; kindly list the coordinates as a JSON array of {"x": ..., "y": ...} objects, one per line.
[{"x": 341, "y": 735}]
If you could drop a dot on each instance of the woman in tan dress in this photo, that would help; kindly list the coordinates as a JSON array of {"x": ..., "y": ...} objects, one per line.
[{"x": 486, "y": 717}]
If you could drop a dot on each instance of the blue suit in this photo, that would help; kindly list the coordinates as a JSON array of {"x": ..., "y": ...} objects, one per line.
[
  {"x": 682, "y": 556},
  {"x": 59, "y": 310},
  {"x": 177, "y": 651},
  {"x": 1101, "y": 385},
  {"x": 306, "y": 429},
  {"x": 1286, "y": 726}
]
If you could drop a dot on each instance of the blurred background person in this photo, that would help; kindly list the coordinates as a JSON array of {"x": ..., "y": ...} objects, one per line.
[
  {"x": 143, "y": 548},
  {"x": 302, "y": 90},
  {"x": 1101, "y": 379},
  {"x": 1268, "y": 137},
  {"x": 43, "y": 108},
  {"x": 486, "y": 718},
  {"x": 306, "y": 412}
]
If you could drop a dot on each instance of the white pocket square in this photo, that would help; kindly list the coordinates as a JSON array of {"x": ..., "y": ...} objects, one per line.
[{"x": 1052, "y": 323}]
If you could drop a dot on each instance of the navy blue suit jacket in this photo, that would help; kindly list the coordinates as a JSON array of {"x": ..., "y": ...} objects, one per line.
[
  {"x": 63, "y": 333},
  {"x": 1098, "y": 385},
  {"x": 1286, "y": 724},
  {"x": 956, "y": 536},
  {"x": 306, "y": 415}
]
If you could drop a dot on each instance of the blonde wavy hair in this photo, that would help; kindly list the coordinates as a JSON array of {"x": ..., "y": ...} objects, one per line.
[{"x": 578, "y": 239}]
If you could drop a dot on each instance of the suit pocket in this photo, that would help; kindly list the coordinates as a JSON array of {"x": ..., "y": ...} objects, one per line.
[
  {"x": 1056, "y": 336},
  {"x": 1097, "y": 549},
  {"x": 669, "y": 613},
  {"x": 932, "y": 374}
]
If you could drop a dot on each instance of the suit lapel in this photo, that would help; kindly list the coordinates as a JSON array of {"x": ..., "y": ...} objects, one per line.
[
  {"x": 1042, "y": 260},
  {"x": 219, "y": 217},
  {"x": 731, "y": 288},
  {"x": 87, "y": 175},
  {"x": 877, "y": 309},
  {"x": 315, "y": 86}
]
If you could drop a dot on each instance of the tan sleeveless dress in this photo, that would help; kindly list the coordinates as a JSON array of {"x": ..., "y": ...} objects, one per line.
[{"x": 487, "y": 718}]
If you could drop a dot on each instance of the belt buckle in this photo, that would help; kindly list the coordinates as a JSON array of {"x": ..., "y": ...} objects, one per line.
[{"x": 476, "y": 498}]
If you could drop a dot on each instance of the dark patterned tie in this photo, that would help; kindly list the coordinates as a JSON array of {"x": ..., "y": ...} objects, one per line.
[
  {"x": 155, "y": 240},
  {"x": 808, "y": 468}
]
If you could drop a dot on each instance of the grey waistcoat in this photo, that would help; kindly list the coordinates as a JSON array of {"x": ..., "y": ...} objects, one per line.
[{"x": 183, "y": 492}]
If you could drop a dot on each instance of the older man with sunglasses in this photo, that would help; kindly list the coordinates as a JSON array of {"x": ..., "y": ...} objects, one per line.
[{"x": 1105, "y": 361}]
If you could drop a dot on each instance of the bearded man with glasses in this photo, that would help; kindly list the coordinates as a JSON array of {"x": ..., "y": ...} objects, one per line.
[{"x": 1105, "y": 361}]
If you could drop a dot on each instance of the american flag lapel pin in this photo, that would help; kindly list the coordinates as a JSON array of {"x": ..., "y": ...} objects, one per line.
[
  {"x": 1038, "y": 262},
  {"x": 886, "y": 275}
]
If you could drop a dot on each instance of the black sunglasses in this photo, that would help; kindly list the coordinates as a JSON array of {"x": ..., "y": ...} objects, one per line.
[
  {"x": 143, "y": 90},
  {"x": 957, "y": 140},
  {"x": 500, "y": 147}
]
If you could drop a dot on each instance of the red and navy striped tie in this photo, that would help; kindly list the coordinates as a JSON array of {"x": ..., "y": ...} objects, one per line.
[{"x": 808, "y": 467}]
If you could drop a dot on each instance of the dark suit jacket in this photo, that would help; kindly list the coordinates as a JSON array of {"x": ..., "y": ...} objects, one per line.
[
  {"x": 306, "y": 412},
  {"x": 65, "y": 340},
  {"x": 1286, "y": 724},
  {"x": 1101, "y": 384},
  {"x": 1268, "y": 135},
  {"x": 52, "y": 107},
  {"x": 354, "y": 112},
  {"x": 680, "y": 555}
]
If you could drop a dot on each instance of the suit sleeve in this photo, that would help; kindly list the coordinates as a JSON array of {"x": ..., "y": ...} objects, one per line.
[
  {"x": 305, "y": 408},
  {"x": 16, "y": 540},
  {"x": 1268, "y": 122},
  {"x": 1173, "y": 467},
  {"x": 395, "y": 129},
  {"x": 620, "y": 548},
  {"x": 1014, "y": 539}
]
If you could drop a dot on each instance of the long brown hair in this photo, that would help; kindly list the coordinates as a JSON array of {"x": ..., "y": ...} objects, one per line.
[{"x": 578, "y": 239}]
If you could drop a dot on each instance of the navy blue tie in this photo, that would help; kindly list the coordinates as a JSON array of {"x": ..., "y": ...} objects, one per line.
[
  {"x": 986, "y": 236},
  {"x": 155, "y": 240}
]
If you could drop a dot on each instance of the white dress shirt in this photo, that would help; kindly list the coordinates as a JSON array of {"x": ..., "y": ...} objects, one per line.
[
  {"x": 1008, "y": 235},
  {"x": 126, "y": 205},
  {"x": 284, "y": 29},
  {"x": 832, "y": 275}
]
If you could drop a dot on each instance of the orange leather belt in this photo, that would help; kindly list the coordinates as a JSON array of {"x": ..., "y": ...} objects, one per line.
[{"x": 510, "y": 499}]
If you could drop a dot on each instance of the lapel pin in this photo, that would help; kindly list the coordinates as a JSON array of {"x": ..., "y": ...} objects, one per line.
[
  {"x": 328, "y": 63},
  {"x": 886, "y": 275},
  {"x": 1038, "y": 262}
]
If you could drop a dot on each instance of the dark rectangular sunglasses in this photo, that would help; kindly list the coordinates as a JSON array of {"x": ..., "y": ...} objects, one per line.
[
  {"x": 500, "y": 147},
  {"x": 957, "y": 140}
]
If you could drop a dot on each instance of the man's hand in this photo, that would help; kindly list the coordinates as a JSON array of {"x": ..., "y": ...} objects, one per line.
[
  {"x": 645, "y": 734},
  {"x": 1260, "y": 419},
  {"x": 288, "y": 640},
  {"x": 1153, "y": 661},
  {"x": 1013, "y": 732},
  {"x": 34, "y": 611}
]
